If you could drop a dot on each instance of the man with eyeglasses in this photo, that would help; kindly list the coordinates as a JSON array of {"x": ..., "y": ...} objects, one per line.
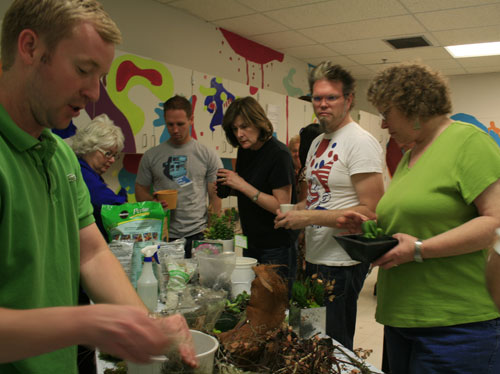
[{"x": 343, "y": 171}]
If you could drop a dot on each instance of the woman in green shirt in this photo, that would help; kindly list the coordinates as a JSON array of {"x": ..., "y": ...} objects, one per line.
[{"x": 443, "y": 206}]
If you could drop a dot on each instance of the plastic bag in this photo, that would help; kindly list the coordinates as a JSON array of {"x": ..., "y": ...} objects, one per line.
[{"x": 215, "y": 269}]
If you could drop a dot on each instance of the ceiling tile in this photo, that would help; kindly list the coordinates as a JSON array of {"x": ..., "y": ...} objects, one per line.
[
  {"x": 479, "y": 61},
  {"x": 340, "y": 60},
  {"x": 336, "y": 11},
  {"x": 469, "y": 35},
  {"x": 245, "y": 25},
  {"x": 213, "y": 9},
  {"x": 309, "y": 51},
  {"x": 376, "y": 28},
  {"x": 266, "y": 5},
  {"x": 417, "y": 6},
  {"x": 485, "y": 69},
  {"x": 285, "y": 39},
  {"x": 453, "y": 71},
  {"x": 449, "y": 63},
  {"x": 486, "y": 15},
  {"x": 411, "y": 54},
  {"x": 360, "y": 46}
]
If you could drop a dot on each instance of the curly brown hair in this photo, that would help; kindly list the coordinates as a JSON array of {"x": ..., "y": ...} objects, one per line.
[{"x": 412, "y": 88}]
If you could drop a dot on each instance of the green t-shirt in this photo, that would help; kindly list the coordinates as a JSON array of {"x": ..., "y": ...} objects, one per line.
[
  {"x": 43, "y": 204},
  {"x": 433, "y": 196}
]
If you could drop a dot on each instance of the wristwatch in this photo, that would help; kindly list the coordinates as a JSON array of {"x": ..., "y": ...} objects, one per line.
[
  {"x": 254, "y": 198},
  {"x": 417, "y": 255}
]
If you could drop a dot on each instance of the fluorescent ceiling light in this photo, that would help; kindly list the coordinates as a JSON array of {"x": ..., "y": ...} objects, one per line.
[{"x": 474, "y": 50}]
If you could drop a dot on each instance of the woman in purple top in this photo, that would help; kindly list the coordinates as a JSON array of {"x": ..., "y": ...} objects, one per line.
[{"x": 98, "y": 146}]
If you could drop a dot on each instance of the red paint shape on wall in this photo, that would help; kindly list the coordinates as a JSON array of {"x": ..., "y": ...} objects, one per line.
[
  {"x": 194, "y": 99},
  {"x": 251, "y": 51},
  {"x": 253, "y": 90},
  {"x": 131, "y": 162},
  {"x": 128, "y": 69}
]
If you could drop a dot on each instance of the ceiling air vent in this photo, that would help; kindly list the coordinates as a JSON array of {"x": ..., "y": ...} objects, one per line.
[{"x": 412, "y": 42}]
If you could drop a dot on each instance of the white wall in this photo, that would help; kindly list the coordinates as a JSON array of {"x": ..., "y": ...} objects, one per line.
[{"x": 170, "y": 35}]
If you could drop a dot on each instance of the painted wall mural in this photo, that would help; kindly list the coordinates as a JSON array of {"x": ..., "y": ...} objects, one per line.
[{"x": 217, "y": 99}]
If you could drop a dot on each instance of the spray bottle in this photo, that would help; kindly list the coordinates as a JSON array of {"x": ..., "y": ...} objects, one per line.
[{"x": 147, "y": 284}]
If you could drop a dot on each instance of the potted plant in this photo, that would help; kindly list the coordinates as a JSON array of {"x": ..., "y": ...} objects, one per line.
[
  {"x": 307, "y": 305},
  {"x": 221, "y": 228}
]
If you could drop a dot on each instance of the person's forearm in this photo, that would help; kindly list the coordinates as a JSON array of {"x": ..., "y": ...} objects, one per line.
[
  {"x": 102, "y": 275},
  {"x": 105, "y": 281},
  {"x": 142, "y": 193},
  {"x": 215, "y": 205},
  {"x": 264, "y": 200},
  {"x": 493, "y": 277},
  {"x": 329, "y": 218},
  {"x": 472, "y": 236}
]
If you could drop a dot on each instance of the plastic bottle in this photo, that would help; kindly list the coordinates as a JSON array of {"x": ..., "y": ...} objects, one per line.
[{"x": 147, "y": 284}]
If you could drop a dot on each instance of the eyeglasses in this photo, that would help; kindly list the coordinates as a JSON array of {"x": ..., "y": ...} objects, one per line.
[
  {"x": 109, "y": 155},
  {"x": 330, "y": 99}
]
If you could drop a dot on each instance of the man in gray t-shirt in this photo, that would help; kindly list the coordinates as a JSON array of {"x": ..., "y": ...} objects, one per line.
[{"x": 182, "y": 164}]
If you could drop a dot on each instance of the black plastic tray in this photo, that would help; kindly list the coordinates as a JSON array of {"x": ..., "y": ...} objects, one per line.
[{"x": 365, "y": 249}]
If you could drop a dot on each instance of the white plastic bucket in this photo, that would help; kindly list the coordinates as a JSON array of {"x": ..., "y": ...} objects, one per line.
[
  {"x": 243, "y": 275},
  {"x": 205, "y": 347}
]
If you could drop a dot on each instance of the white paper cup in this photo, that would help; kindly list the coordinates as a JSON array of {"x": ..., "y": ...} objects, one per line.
[{"x": 286, "y": 207}]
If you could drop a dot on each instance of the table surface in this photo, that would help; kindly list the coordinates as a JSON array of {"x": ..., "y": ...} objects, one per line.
[{"x": 346, "y": 368}]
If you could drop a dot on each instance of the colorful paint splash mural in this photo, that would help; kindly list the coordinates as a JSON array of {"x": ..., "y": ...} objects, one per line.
[
  {"x": 492, "y": 130},
  {"x": 217, "y": 99},
  {"x": 395, "y": 152},
  {"x": 251, "y": 52},
  {"x": 160, "y": 120},
  {"x": 129, "y": 71},
  {"x": 288, "y": 84}
]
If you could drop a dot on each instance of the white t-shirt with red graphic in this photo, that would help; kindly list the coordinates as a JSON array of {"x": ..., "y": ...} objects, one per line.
[{"x": 332, "y": 159}]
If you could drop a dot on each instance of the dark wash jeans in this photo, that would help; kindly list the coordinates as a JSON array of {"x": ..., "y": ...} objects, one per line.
[
  {"x": 471, "y": 348},
  {"x": 341, "y": 312}
]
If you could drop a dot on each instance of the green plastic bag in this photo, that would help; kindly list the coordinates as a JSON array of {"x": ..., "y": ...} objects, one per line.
[{"x": 140, "y": 222}]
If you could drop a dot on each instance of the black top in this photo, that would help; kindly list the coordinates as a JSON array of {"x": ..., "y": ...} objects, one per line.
[{"x": 266, "y": 169}]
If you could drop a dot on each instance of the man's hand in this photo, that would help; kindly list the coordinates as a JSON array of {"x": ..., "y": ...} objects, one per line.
[{"x": 127, "y": 332}]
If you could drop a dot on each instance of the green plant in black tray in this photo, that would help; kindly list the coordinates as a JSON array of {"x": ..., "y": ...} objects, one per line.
[{"x": 371, "y": 230}]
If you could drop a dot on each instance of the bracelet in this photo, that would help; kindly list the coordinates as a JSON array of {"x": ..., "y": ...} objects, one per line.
[
  {"x": 496, "y": 246},
  {"x": 417, "y": 255}
]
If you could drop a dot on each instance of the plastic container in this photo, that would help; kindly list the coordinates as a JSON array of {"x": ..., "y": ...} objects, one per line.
[
  {"x": 153, "y": 368},
  {"x": 169, "y": 196},
  {"x": 243, "y": 275},
  {"x": 147, "y": 285},
  {"x": 205, "y": 347},
  {"x": 215, "y": 269}
]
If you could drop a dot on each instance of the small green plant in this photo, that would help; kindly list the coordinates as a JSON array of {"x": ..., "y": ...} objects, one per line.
[
  {"x": 222, "y": 227},
  {"x": 370, "y": 230},
  {"x": 311, "y": 292}
]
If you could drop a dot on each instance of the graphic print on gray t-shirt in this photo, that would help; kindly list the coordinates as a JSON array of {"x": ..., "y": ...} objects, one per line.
[{"x": 175, "y": 170}]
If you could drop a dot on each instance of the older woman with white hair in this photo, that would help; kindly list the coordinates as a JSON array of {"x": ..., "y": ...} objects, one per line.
[{"x": 98, "y": 146}]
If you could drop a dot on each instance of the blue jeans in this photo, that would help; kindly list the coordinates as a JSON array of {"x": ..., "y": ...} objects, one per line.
[
  {"x": 286, "y": 256},
  {"x": 471, "y": 348},
  {"x": 341, "y": 312}
]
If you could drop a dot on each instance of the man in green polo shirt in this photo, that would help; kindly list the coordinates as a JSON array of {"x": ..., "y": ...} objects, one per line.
[{"x": 54, "y": 53}]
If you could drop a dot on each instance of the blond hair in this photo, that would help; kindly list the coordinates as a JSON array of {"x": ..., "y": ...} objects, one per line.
[{"x": 52, "y": 20}]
